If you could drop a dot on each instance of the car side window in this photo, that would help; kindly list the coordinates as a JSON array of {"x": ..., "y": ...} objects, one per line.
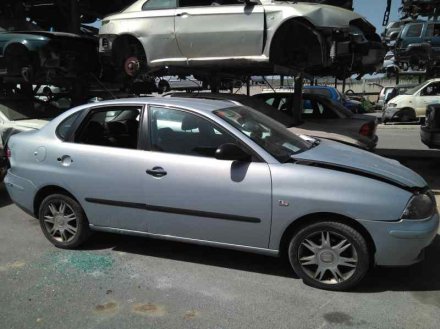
[
  {"x": 414, "y": 31},
  {"x": 194, "y": 3},
  {"x": 181, "y": 132},
  {"x": 433, "y": 30},
  {"x": 115, "y": 126},
  {"x": 433, "y": 89},
  {"x": 159, "y": 4}
]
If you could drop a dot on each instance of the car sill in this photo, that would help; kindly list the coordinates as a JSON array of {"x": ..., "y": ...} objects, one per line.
[{"x": 261, "y": 251}]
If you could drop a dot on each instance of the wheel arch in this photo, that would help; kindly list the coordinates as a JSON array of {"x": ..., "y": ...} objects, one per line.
[
  {"x": 121, "y": 41},
  {"x": 307, "y": 29},
  {"x": 303, "y": 221},
  {"x": 46, "y": 191},
  {"x": 409, "y": 110}
]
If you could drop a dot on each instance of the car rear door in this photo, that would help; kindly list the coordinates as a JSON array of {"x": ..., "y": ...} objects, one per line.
[
  {"x": 222, "y": 28},
  {"x": 101, "y": 165},
  {"x": 192, "y": 195}
]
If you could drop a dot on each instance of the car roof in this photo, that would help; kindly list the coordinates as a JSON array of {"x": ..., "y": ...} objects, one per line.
[{"x": 200, "y": 104}]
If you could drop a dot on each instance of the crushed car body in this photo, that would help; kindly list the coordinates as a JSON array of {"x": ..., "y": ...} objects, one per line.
[
  {"x": 258, "y": 37},
  {"x": 28, "y": 54}
]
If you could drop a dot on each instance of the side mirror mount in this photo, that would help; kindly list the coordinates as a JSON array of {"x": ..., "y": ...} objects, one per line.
[{"x": 233, "y": 152}]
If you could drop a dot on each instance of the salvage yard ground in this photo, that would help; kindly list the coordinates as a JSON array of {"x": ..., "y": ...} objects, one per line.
[{"x": 128, "y": 282}]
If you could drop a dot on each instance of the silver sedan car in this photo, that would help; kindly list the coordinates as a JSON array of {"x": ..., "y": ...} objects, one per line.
[
  {"x": 220, "y": 174},
  {"x": 239, "y": 36}
]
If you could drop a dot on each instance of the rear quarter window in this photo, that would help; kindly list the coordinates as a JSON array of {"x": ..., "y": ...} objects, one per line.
[{"x": 64, "y": 127}]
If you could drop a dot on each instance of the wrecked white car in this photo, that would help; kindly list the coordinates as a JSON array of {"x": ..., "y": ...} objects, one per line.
[{"x": 239, "y": 37}]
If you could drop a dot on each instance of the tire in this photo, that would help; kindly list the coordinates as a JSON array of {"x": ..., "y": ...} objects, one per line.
[
  {"x": 307, "y": 263},
  {"x": 70, "y": 233}
]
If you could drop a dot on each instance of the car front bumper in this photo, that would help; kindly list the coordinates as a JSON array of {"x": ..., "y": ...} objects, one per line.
[
  {"x": 401, "y": 243},
  {"x": 391, "y": 114},
  {"x": 21, "y": 191}
]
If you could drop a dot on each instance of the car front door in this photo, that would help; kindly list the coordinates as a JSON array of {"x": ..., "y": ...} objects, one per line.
[
  {"x": 192, "y": 195},
  {"x": 219, "y": 28}
]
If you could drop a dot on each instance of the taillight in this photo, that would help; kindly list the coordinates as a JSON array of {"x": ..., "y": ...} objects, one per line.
[
  {"x": 8, "y": 153},
  {"x": 367, "y": 129}
]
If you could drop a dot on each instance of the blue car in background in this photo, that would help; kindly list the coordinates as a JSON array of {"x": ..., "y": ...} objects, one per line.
[{"x": 334, "y": 94}]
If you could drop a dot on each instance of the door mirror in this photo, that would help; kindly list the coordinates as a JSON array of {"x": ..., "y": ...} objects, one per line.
[{"x": 232, "y": 152}]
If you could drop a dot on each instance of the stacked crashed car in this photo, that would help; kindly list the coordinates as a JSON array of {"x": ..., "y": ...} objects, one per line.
[
  {"x": 248, "y": 184},
  {"x": 29, "y": 54},
  {"x": 241, "y": 37}
]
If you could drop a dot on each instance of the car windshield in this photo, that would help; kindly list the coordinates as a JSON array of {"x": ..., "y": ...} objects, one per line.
[
  {"x": 27, "y": 109},
  {"x": 412, "y": 91},
  {"x": 267, "y": 133}
]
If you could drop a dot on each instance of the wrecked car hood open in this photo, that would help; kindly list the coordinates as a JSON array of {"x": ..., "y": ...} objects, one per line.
[{"x": 337, "y": 156}]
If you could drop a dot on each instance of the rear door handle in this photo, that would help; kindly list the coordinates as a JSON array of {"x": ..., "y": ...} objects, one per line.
[
  {"x": 182, "y": 14},
  {"x": 156, "y": 172}
]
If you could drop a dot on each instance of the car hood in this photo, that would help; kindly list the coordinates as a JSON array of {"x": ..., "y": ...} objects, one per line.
[
  {"x": 319, "y": 14},
  {"x": 30, "y": 124},
  {"x": 337, "y": 156},
  {"x": 400, "y": 98}
]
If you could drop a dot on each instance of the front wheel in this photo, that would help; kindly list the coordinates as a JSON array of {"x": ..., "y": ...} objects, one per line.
[
  {"x": 329, "y": 255},
  {"x": 63, "y": 221}
]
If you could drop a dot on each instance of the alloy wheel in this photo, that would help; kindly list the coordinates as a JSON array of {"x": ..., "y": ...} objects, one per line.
[
  {"x": 60, "y": 221},
  {"x": 327, "y": 257}
]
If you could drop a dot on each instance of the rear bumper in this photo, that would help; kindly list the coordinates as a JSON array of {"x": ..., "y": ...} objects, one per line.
[
  {"x": 22, "y": 192},
  {"x": 401, "y": 243}
]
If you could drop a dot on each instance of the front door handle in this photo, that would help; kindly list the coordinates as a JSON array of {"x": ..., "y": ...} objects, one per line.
[
  {"x": 156, "y": 172},
  {"x": 182, "y": 14}
]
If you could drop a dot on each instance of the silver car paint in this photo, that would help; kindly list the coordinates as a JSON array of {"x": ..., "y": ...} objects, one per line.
[
  {"x": 175, "y": 40},
  {"x": 217, "y": 186}
]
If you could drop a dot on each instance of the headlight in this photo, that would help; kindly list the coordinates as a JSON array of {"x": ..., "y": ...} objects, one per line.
[
  {"x": 420, "y": 206},
  {"x": 391, "y": 105}
]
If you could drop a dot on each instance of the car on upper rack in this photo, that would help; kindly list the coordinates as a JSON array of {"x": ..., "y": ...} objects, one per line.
[
  {"x": 30, "y": 54},
  {"x": 242, "y": 37},
  {"x": 224, "y": 175},
  {"x": 321, "y": 117},
  {"x": 418, "y": 45},
  {"x": 412, "y": 104}
]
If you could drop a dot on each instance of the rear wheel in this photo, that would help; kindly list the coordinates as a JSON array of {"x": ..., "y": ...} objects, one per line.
[
  {"x": 63, "y": 221},
  {"x": 329, "y": 255}
]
